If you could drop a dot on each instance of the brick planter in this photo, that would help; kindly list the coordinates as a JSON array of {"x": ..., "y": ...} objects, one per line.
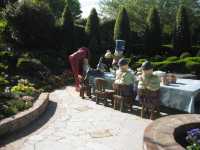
[
  {"x": 160, "y": 135},
  {"x": 23, "y": 118}
]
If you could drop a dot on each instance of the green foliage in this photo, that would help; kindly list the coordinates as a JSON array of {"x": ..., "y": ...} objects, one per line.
[
  {"x": 122, "y": 26},
  {"x": 175, "y": 64},
  {"x": 92, "y": 26},
  {"x": 14, "y": 106},
  {"x": 68, "y": 29},
  {"x": 153, "y": 33},
  {"x": 29, "y": 25},
  {"x": 12, "y": 110},
  {"x": 3, "y": 83},
  {"x": 182, "y": 35},
  {"x": 75, "y": 8},
  {"x": 56, "y": 6},
  {"x": 138, "y": 10},
  {"x": 79, "y": 36},
  {"x": 198, "y": 54},
  {"x": 185, "y": 55},
  {"x": 31, "y": 67},
  {"x": 106, "y": 28},
  {"x": 193, "y": 67},
  {"x": 172, "y": 58},
  {"x": 23, "y": 88},
  {"x": 93, "y": 36}
]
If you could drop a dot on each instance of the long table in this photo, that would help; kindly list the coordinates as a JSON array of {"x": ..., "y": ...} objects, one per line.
[{"x": 183, "y": 96}]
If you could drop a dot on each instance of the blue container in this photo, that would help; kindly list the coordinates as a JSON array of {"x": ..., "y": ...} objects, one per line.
[{"x": 120, "y": 45}]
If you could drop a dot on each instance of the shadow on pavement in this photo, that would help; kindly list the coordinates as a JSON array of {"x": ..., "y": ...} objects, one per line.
[{"x": 35, "y": 125}]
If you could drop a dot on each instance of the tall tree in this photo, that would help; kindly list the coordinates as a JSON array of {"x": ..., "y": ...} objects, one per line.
[
  {"x": 182, "y": 35},
  {"x": 75, "y": 8},
  {"x": 68, "y": 28},
  {"x": 93, "y": 34},
  {"x": 122, "y": 26},
  {"x": 153, "y": 33},
  {"x": 58, "y": 6},
  {"x": 138, "y": 10}
]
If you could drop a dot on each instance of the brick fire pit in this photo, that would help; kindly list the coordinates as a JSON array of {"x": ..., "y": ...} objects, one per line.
[{"x": 162, "y": 133}]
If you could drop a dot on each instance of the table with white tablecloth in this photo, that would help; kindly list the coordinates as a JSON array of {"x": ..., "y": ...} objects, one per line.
[{"x": 183, "y": 95}]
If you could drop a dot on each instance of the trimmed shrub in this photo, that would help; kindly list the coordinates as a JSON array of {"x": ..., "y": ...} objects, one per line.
[
  {"x": 106, "y": 33},
  {"x": 172, "y": 58},
  {"x": 68, "y": 30},
  {"x": 3, "y": 83},
  {"x": 12, "y": 110},
  {"x": 31, "y": 67},
  {"x": 185, "y": 55},
  {"x": 93, "y": 36},
  {"x": 37, "y": 30},
  {"x": 122, "y": 26},
  {"x": 153, "y": 33},
  {"x": 198, "y": 54},
  {"x": 182, "y": 35},
  {"x": 92, "y": 26},
  {"x": 193, "y": 67}
]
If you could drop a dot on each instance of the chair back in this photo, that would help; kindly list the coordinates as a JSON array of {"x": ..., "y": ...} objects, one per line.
[
  {"x": 100, "y": 84},
  {"x": 119, "y": 89}
]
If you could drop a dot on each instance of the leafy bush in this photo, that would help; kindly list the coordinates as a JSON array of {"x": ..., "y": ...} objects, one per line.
[
  {"x": 198, "y": 54},
  {"x": 3, "y": 83},
  {"x": 174, "y": 64},
  {"x": 157, "y": 58},
  {"x": 185, "y": 55},
  {"x": 193, "y": 67},
  {"x": 153, "y": 33},
  {"x": 9, "y": 111},
  {"x": 37, "y": 29},
  {"x": 13, "y": 106},
  {"x": 31, "y": 67},
  {"x": 172, "y": 58},
  {"x": 8, "y": 61},
  {"x": 23, "y": 88}
]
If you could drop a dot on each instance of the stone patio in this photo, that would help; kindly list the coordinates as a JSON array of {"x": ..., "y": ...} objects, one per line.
[{"x": 71, "y": 123}]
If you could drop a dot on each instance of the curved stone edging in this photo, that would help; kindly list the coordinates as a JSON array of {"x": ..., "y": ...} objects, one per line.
[
  {"x": 25, "y": 117},
  {"x": 159, "y": 135}
]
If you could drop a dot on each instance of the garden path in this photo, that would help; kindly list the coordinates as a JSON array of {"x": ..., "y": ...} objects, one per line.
[{"x": 71, "y": 123}]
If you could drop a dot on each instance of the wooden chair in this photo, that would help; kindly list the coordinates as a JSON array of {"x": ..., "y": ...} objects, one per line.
[
  {"x": 101, "y": 93},
  {"x": 85, "y": 88},
  {"x": 121, "y": 101},
  {"x": 150, "y": 105}
]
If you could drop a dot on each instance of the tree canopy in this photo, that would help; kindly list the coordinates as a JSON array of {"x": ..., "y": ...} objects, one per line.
[
  {"x": 182, "y": 35},
  {"x": 122, "y": 27},
  {"x": 138, "y": 10},
  {"x": 153, "y": 32}
]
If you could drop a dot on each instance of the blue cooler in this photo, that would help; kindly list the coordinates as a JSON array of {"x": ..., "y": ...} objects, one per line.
[{"x": 120, "y": 45}]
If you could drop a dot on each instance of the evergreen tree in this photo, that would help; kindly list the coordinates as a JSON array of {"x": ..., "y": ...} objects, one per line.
[
  {"x": 122, "y": 26},
  {"x": 182, "y": 35},
  {"x": 75, "y": 8},
  {"x": 93, "y": 35},
  {"x": 92, "y": 25},
  {"x": 68, "y": 29},
  {"x": 153, "y": 33}
]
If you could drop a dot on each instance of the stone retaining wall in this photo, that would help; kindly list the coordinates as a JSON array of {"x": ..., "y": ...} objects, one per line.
[
  {"x": 159, "y": 135},
  {"x": 23, "y": 118}
]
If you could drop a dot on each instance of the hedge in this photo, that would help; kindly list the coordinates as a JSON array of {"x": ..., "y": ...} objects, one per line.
[{"x": 174, "y": 64}]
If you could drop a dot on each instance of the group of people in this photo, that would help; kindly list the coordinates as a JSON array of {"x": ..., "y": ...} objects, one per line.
[{"x": 148, "y": 84}]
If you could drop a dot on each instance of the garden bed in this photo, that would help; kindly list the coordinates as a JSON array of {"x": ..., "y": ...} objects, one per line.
[{"x": 24, "y": 118}]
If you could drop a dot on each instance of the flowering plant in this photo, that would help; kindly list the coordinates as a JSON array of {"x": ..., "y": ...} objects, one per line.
[
  {"x": 24, "y": 87},
  {"x": 193, "y": 137}
]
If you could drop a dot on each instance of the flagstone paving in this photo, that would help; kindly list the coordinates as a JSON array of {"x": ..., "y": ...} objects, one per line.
[{"x": 71, "y": 123}]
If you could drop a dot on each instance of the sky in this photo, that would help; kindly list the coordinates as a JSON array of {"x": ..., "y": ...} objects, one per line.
[{"x": 87, "y": 5}]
